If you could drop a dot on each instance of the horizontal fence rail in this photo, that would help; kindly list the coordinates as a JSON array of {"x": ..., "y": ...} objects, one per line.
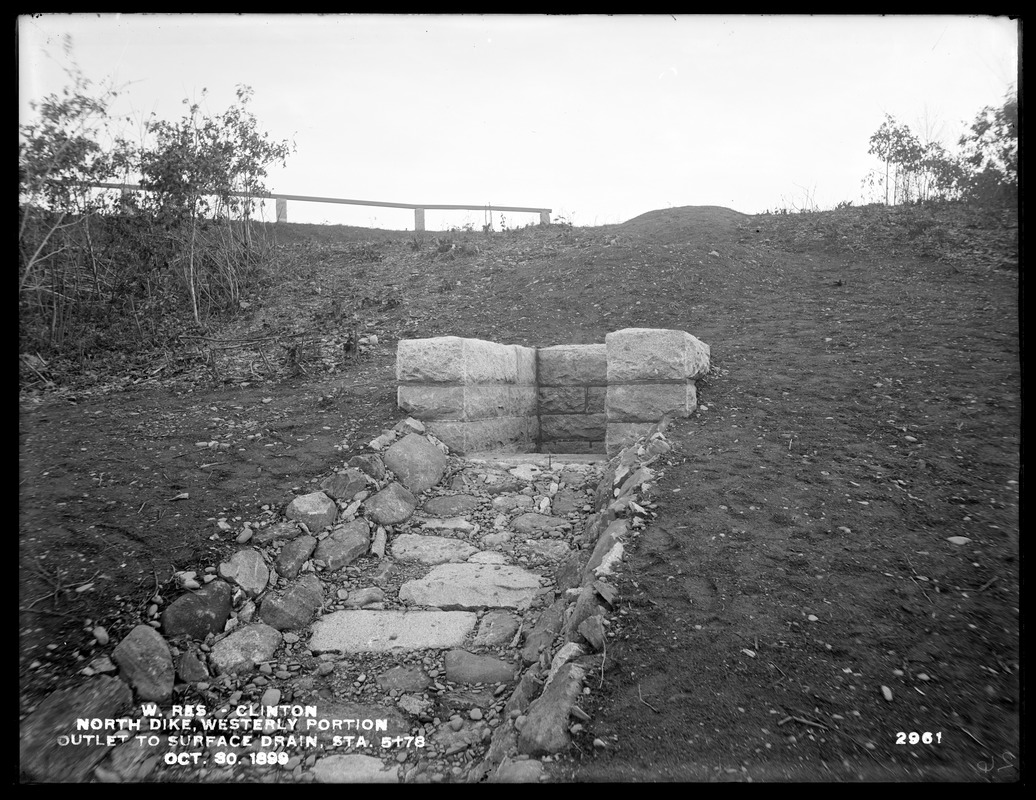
[{"x": 418, "y": 208}]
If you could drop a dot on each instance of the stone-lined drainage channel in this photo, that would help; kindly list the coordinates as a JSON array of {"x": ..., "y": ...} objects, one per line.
[{"x": 423, "y": 618}]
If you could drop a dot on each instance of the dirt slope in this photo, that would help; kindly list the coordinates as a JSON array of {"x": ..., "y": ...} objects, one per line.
[
  {"x": 801, "y": 558},
  {"x": 864, "y": 408}
]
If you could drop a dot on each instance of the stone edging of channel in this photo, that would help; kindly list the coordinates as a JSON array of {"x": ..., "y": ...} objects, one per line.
[{"x": 569, "y": 640}]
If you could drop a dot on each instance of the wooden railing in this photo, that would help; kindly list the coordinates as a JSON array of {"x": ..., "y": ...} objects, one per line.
[{"x": 419, "y": 208}]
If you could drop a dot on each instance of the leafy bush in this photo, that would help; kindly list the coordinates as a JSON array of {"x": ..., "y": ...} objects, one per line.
[
  {"x": 98, "y": 273},
  {"x": 990, "y": 153},
  {"x": 985, "y": 170}
]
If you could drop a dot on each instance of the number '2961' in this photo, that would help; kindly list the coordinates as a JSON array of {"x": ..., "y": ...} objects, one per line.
[{"x": 919, "y": 738}]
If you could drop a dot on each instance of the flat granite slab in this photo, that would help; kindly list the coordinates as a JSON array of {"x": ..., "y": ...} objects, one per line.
[
  {"x": 380, "y": 631},
  {"x": 538, "y": 459},
  {"x": 473, "y": 586}
]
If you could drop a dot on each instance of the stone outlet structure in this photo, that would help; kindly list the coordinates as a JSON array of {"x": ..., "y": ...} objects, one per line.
[{"x": 478, "y": 396}]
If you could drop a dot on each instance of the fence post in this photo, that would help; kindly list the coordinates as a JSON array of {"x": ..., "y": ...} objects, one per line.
[
  {"x": 544, "y": 218},
  {"x": 418, "y": 219},
  {"x": 126, "y": 202},
  {"x": 282, "y": 210}
]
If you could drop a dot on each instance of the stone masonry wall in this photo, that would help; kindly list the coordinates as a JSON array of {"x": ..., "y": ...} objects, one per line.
[
  {"x": 479, "y": 396},
  {"x": 473, "y": 395},
  {"x": 651, "y": 375},
  {"x": 573, "y": 381}
]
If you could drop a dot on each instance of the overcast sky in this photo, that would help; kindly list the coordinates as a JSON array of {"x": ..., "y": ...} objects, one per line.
[{"x": 598, "y": 118}]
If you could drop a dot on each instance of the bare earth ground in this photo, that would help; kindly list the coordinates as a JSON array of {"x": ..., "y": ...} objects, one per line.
[{"x": 796, "y": 611}]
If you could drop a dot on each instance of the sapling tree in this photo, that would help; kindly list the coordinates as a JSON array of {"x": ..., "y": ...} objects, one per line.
[
  {"x": 899, "y": 150},
  {"x": 195, "y": 171},
  {"x": 65, "y": 147}
]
